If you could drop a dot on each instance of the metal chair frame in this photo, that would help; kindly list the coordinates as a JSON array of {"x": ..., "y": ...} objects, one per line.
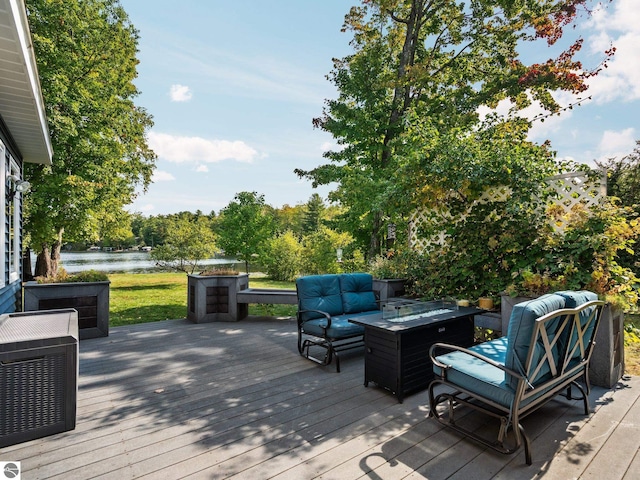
[
  {"x": 565, "y": 370},
  {"x": 331, "y": 345}
]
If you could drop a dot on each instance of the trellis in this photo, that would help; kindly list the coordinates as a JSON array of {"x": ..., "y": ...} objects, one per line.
[{"x": 571, "y": 190}]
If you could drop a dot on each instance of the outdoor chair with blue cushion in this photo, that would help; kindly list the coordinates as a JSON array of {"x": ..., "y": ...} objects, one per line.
[
  {"x": 325, "y": 305},
  {"x": 545, "y": 352}
]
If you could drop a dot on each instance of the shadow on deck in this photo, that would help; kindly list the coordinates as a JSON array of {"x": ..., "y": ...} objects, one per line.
[{"x": 174, "y": 399}]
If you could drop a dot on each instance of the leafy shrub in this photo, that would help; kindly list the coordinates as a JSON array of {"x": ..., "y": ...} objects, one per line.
[
  {"x": 283, "y": 257},
  {"x": 319, "y": 251},
  {"x": 391, "y": 265}
]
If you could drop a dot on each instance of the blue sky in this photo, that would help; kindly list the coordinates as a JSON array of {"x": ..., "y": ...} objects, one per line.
[{"x": 234, "y": 85}]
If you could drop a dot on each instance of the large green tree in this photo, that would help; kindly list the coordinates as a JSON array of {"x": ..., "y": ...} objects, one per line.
[
  {"x": 244, "y": 227},
  {"x": 86, "y": 52},
  {"x": 188, "y": 241},
  {"x": 422, "y": 69}
]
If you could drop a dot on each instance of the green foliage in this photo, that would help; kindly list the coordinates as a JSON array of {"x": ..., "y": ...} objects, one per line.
[
  {"x": 86, "y": 52},
  {"x": 244, "y": 226},
  {"x": 187, "y": 242},
  {"x": 388, "y": 266},
  {"x": 527, "y": 258},
  {"x": 313, "y": 214},
  {"x": 623, "y": 182},
  {"x": 219, "y": 271},
  {"x": 282, "y": 259},
  {"x": 419, "y": 73},
  {"x": 63, "y": 277},
  {"x": 319, "y": 251},
  {"x": 631, "y": 329}
]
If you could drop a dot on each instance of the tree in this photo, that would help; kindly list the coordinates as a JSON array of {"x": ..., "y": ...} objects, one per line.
[
  {"x": 624, "y": 177},
  {"x": 422, "y": 66},
  {"x": 313, "y": 214},
  {"x": 244, "y": 226},
  {"x": 319, "y": 254},
  {"x": 623, "y": 182},
  {"x": 86, "y": 52},
  {"x": 283, "y": 259},
  {"x": 187, "y": 242}
]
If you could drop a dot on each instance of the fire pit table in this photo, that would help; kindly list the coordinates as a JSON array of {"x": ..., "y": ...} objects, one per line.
[{"x": 397, "y": 341}]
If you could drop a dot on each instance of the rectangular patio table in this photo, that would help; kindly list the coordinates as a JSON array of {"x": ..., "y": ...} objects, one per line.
[{"x": 397, "y": 345}]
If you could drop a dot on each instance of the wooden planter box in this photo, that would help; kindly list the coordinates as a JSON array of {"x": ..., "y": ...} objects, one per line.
[
  {"x": 607, "y": 359},
  {"x": 388, "y": 287},
  {"x": 506, "y": 306},
  {"x": 215, "y": 298},
  {"x": 89, "y": 299}
]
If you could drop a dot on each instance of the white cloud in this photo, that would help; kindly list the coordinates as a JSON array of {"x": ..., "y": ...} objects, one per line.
[
  {"x": 146, "y": 208},
  {"x": 616, "y": 144},
  {"x": 617, "y": 25},
  {"x": 196, "y": 149},
  {"x": 162, "y": 176},
  {"x": 202, "y": 168},
  {"x": 180, "y": 93}
]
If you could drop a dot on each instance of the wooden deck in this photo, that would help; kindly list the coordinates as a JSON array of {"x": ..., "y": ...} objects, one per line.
[{"x": 235, "y": 400}]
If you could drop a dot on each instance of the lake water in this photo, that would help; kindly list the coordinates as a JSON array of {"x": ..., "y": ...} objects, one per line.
[{"x": 133, "y": 262}]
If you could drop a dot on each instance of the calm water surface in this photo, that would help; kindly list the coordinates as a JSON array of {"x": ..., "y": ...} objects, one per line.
[{"x": 132, "y": 262}]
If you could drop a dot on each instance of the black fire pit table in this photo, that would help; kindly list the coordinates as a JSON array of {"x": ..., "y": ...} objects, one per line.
[{"x": 397, "y": 341}]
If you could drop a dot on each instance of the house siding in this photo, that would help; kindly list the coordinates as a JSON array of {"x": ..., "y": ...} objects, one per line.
[
  {"x": 11, "y": 298},
  {"x": 11, "y": 292}
]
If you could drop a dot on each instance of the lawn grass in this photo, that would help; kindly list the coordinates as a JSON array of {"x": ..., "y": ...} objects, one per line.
[{"x": 150, "y": 297}]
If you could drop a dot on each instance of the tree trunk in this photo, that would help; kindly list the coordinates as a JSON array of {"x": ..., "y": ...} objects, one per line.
[
  {"x": 400, "y": 103},
  {"x": 374, "y": 241},
  {"x": 43, "y": 262},
  {"x": 48, "y": 259}
]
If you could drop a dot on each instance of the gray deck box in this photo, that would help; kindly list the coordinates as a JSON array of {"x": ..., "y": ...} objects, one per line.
[{"x": 38, "y": 374}]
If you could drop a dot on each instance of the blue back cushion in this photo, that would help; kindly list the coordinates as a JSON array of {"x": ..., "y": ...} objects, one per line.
[
  {"x": 357, "y": 292},
  {"x": 319, "y": 292},
  {"x": 575, "y": 299},
  {"x": 521, "y": 326}
]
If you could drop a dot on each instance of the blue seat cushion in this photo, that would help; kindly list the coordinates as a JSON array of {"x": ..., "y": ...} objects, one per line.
[
  {"x": 357, "y": 292},
  {"x": 477, "y": 376},
  {"x": 519, "y": 336},
  {"x": 319, "y": 292},
  {"x": 340, "y": 327},
  {"x": 481, "y": 378}
]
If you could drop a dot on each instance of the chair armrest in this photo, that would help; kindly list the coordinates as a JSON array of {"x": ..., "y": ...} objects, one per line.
[
  {"x": 456, "y": 348},
  {"x": 325, "y": 314}
]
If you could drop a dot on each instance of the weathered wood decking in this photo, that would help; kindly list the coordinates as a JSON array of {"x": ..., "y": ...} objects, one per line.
[{"x": 179, "y": 400}]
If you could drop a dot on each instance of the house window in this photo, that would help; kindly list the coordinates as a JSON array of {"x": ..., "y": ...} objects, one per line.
[{"x": 10, "y": 224}]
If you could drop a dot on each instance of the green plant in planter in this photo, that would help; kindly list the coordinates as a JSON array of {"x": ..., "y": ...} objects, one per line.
[
  {"x": 63, "y": 277},
  {"x": 219, "y": 271},
  {"x": 388, "y": 266}
]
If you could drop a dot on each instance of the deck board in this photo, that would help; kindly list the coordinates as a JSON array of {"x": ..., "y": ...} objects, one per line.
[{"x": 174, "y": 399}]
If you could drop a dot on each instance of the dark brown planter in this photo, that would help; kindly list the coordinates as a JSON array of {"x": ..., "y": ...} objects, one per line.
[
  {"x": 214, "y": 298},
  {"x": 386, "y": 288},
  {"x": 607, "y": 359},
  {"x": 506, "y": 306},
  {"x": 89, "y": 299}
]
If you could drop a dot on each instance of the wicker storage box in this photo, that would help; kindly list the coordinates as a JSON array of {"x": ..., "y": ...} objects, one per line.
[{"x": 38, "y": 374}]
